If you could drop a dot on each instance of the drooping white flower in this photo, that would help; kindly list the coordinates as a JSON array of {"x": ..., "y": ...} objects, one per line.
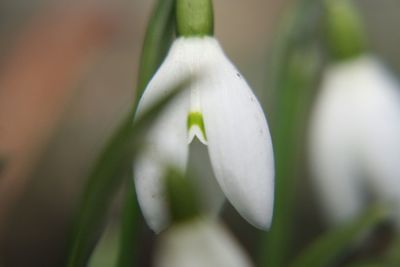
[
  {"x": 220, "y": 110},
  {"x": 355, "y": 138},
  {"x": 198, "y": 243}
]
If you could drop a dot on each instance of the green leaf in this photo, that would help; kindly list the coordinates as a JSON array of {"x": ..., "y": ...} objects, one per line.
[
  {"x": 127, "y": 253},
  {"x": 294, "y": 71},
  {"x": 324, "y": 251},
  {"x": 105, "y": 253},
  {"x": 158, "y": 39},
  {"x": 107, "y": 175}
]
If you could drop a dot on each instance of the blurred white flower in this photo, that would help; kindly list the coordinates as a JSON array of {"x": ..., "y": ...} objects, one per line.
[
  {"x": 199, "y": 243},
  {"x": 355, "y": 138},
  {"x": 222, "y": 112}
]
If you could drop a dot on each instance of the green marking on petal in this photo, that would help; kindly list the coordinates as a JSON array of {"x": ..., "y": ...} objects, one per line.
[{"x": 196, "y": 119}]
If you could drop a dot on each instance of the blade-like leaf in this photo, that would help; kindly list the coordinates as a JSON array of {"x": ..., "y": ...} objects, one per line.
[
  {"x": 159, "y": 36},
  {"x": 128, "y": 228},
  {"x": 324, "y": 251},
  {"x": 293, "y": 73},
  {"x": 158, "y": 39},
  {"x": 107, "y": 175},
  {"x": 115, "y": 161}
]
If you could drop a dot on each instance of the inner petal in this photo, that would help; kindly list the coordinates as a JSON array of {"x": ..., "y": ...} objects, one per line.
[{"x": 195, "y": 124}]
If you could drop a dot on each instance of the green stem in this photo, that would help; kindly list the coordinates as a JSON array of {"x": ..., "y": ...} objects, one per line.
[{"x": 194, "y": 18}]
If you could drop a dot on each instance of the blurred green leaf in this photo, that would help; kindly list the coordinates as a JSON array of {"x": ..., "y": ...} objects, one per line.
[
  {"x": 294, "y": 71},
  {"x": 107, "y": 175},
  {"x": 127, "y": 253},
  {"x": 105, "y": 253},
  {"x": 324, "y": 251},
  {"x": 158, "y": 38},
  {"x": 102, "y": 185}
]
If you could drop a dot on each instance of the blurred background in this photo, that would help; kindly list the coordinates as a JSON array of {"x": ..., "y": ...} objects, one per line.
[{"x": 51, "y": 133}]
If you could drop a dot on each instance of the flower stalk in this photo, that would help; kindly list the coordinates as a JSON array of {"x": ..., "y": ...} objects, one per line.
[
  {"x": 345, "y": 32},
  {"x": 194, "y": 18}
]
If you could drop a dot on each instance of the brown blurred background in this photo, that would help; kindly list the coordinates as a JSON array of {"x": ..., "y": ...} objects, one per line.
[{"x": 94, "y": 92}]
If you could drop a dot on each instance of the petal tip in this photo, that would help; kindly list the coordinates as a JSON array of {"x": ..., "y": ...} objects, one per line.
[{"x": 261, "y": 220}]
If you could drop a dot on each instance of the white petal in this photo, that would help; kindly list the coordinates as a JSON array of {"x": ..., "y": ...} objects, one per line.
[
  {"x": 239, "y": 142},
  {"x": 332, "y": 157},
  {"x": 380, "y": 126},
  {"x": 199, "y": 243},
  {"x": 166, "y": 143}
]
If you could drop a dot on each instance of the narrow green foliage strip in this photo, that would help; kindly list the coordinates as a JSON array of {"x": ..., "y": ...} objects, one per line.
[
  {"x": 324, "y": 251},
  {"x": 127, "y": 253},
  {"x": 102, "y": 184},
  {"x": 295, "y": 70},
  {"x": 158, "y": 39},
  {"x": 107, "y": 176}
]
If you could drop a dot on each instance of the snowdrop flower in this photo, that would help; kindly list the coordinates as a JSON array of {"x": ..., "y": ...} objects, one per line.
[
  {"x": 355, "y": 141},
  {"x": 355, "y": 136},
  {"x": 198, "y": 243},
  {"x": 220, "y": 110}
]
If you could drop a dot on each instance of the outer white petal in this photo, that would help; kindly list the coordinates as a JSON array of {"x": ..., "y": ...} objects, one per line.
[
  {"x": 355, "y": 135},
  {"x": 199, "y": 243},
  {"x": 238, "y": 138},
  {"x": 380, "y": 130},
  {"x": 332, "y": 151},
  {"x": 166, "y": 143}
]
